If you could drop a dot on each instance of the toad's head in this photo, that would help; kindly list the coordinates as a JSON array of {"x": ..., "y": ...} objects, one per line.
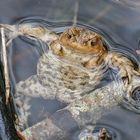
[
  {"x": 82, "y": 40},
  {"x": 79, "y": 41}
]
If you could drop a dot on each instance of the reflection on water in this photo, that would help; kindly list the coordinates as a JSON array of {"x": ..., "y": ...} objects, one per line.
[{"x": 118, "y": 23}]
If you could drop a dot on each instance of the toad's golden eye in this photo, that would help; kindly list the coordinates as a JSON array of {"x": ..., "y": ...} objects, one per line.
[
  {"x": 93, "y": 43},
  {"x": 68, "y": 36}
]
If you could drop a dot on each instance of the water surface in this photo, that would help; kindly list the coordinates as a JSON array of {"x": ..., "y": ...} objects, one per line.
[{"x": 117, "y": 20}]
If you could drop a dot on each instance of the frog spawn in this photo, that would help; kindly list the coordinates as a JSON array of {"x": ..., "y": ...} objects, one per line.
[{"x": 84, "y": 42}]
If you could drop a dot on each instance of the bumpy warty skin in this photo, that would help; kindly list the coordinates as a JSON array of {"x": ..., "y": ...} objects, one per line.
[{"x": 69, "y": 72}]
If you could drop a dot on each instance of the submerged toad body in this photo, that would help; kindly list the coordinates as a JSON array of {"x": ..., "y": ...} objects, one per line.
[
  {"x": 69, "y": 71},
  {"x": 74, "y": 64}
]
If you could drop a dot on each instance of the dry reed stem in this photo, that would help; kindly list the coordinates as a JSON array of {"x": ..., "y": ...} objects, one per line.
[{"x": 5, "y": 65}]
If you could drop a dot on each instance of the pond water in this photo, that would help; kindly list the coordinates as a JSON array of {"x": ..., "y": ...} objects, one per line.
[{"x": 118, "y": 21}]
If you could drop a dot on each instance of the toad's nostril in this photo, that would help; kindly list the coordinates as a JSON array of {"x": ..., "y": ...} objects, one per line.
[{"x": 74, "y": 31}]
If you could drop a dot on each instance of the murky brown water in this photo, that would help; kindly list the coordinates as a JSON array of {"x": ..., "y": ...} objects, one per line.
[{"x": 118, "y": 21}]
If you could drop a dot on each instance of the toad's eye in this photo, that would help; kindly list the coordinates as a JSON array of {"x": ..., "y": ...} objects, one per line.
[
  {"x": 93, "y": 42},
  {"x": 68, "y": 36}
]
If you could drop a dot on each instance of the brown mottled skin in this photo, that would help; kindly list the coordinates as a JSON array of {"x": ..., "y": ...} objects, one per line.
[
  {"x": 89, "y": 44},
  {"x": 81, "y": 41}
]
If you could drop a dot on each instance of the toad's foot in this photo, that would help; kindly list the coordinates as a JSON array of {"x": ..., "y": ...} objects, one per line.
[
  {"x": 33, "y": 88},
  {"x": 45, "y": 130},
  {"x": 25, "y": 91},
  {"x": 92, "y": 106},
  {"x": 31, "y": 31},
  {"x": 134, "y": 85},
  {"x": 125, "y": 66}
]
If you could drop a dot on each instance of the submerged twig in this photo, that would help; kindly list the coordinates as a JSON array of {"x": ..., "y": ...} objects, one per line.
[{"x": 5, "y": 64}]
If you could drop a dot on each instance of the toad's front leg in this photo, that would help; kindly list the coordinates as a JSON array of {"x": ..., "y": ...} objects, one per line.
[
  {"x": 33, "y": 88},
  {"x": 127, "y": 69},
  {"x": 29, "y": 30}
]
